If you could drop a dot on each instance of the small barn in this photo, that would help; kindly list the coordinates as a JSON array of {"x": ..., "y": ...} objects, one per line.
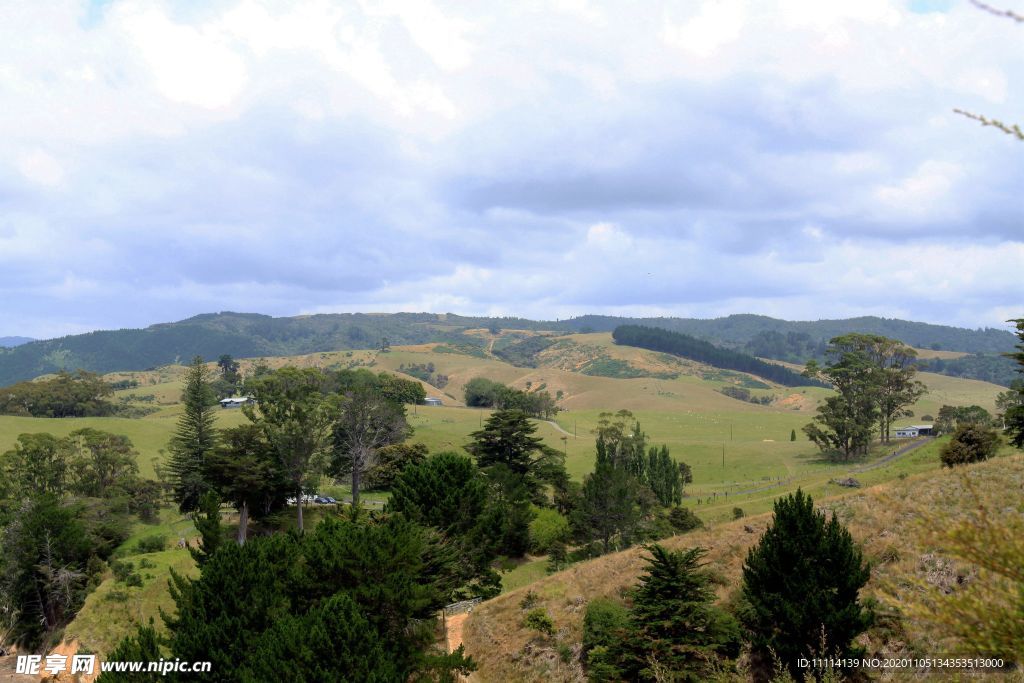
[
  {"x": 913, "y": 431},
  {"x": 432, "y": 401},
  {"x": 234, "y": 401}
]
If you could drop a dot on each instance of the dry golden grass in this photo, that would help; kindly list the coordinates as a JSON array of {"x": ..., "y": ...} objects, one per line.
[{"x": 891, "y": 521}]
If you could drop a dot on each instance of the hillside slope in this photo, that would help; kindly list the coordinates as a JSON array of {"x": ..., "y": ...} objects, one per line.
[{"x": 889, "y": 520}]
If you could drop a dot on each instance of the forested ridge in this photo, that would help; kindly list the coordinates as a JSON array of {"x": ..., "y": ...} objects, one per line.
[
  {"x": 246, "y": 335},
  {"x": 699, "y": 350}
]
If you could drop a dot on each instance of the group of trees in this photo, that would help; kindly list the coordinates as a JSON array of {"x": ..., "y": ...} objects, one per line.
[
  {"x": 799, "y": 599},
  {"x": 619, "y": 502},
  {"x": 65, "y": 505},
  {"x": 304, "y": 423},
  {"x": 78, "y": 394},
  {"x": 354, "y": 599},
  {"x": 873, "y": 377},
  {"x": 677, "y": 344},
  {"x": 481, "y": 392}
]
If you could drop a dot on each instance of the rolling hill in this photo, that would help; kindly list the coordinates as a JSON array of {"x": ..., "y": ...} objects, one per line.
[
  {"x": 248, "y": 335},
  {"x": 889, "y": 520}
]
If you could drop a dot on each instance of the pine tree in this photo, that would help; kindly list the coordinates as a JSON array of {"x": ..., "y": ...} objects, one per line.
[
  {"x": 801, "y": 584},
  {"x": 674, "y": 625},
  {"x": 1014, "y": 416},
  {"x": 609, "y": 506},
  {"x": 193, "y": 439},
  {"x": 207, "y": 521}
]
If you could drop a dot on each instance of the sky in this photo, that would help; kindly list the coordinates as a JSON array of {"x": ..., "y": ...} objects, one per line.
[{"x": 794, "y": 158}]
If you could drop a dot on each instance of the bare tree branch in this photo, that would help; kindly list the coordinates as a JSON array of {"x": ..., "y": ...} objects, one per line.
[
  {"x": 1014, "y": 129},
  {"x": 1005, "y": 13}
]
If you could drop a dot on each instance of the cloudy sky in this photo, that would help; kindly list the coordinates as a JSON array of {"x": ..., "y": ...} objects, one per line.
[{"x": 796, "y": 158}]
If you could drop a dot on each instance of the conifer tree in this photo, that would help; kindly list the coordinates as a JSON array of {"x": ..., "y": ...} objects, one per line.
[
  {"x": 1014, "y": 416},
  {"x": 801, "y": 584},
  {"x": 674, "y": 625},
  {"x": 193, "y": 439}
]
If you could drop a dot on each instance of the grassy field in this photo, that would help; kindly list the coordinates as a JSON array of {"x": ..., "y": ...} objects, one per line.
[
  {"x": 688, "y": 412},
  {"x": 891, "y": 521}
]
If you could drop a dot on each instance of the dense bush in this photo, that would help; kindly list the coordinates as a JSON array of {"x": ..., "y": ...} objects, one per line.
[
  {"x": 152, "y": 544},
  {"x": 970, "y": 443},
  {"x": 547, "y": 528}
]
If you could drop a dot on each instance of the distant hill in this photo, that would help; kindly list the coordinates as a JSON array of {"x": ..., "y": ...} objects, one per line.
[
  {"x": 11, "y": 342},
  {"x": 739, "y": 330},
  {"x": 252, "y": 335}
]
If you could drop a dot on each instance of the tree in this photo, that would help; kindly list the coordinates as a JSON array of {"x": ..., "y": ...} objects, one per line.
[
  {"x": 43, "y": 555},
  {"x": 1013, "y": 417},
  {"x": 228, "y": 369},
  {"x": 663, "y": 476},
  {"x": 673, "y": 623},
  {"x": 245, "y": 471},
  {"x": 845, "y": 422},
  {"x": 368, "y": 422},
  {"x": 507, "y": 439},
  {"x": 211, "y": 531},
  {"x": 296, "y": 420},
  {"x": 609, "y": 506},
  {"x": 801, "y": 586},
  {"x": 348, "y": 593},
  {"x": 194, "y": 438},
  {"x": 392, "y": 461},
  {"x": 36, "y": 466},
  {"x": 792, "y": 435},
  {"x": 101, "y": 464},
  {"x": 897, "y": 388},
  {"x": 971, "y": 442}
]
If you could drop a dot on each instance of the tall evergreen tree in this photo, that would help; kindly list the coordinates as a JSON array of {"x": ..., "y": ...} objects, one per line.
[
  {"x": 1013, "y": 418},
  {"x": 609, "y": 507},
  {"x": 508, "y": 440},
  {"x": 801, "y": 586},
  {"x": 194, "y": 438},
  {"x": 349, "y": 601},
  {"x": 674, "y": 625}
]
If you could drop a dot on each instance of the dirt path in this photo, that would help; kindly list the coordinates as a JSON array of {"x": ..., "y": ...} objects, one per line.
[
  {"x": 453, "y": 624},
  {"x": 895, "y": 454},
  {"x": 557, "y": 426}
]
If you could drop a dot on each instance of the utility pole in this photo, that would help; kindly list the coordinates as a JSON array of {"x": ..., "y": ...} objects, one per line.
[{"x": 723, "y": 456}]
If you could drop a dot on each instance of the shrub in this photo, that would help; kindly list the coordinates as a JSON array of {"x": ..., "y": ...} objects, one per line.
[
  {"x": 737, "y": 513},
  {"x": 529, "y": 600},
  {"x": 971, "y": 442},
  {"x": 152, "y": 544},
  {"x": 603, "y": 623},
  {"x": 539, "y": 620},
  {"x": 684, "y": 519},
  {"x": 546, "y": 529},
  {"x": 122, "y": 570}
]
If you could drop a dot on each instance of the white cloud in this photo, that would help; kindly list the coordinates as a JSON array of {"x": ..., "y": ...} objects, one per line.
[
  {"x": 39, "y": 167},
  {"x": 190, "y": 65},
  {"x": 528, "y": 158}
]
